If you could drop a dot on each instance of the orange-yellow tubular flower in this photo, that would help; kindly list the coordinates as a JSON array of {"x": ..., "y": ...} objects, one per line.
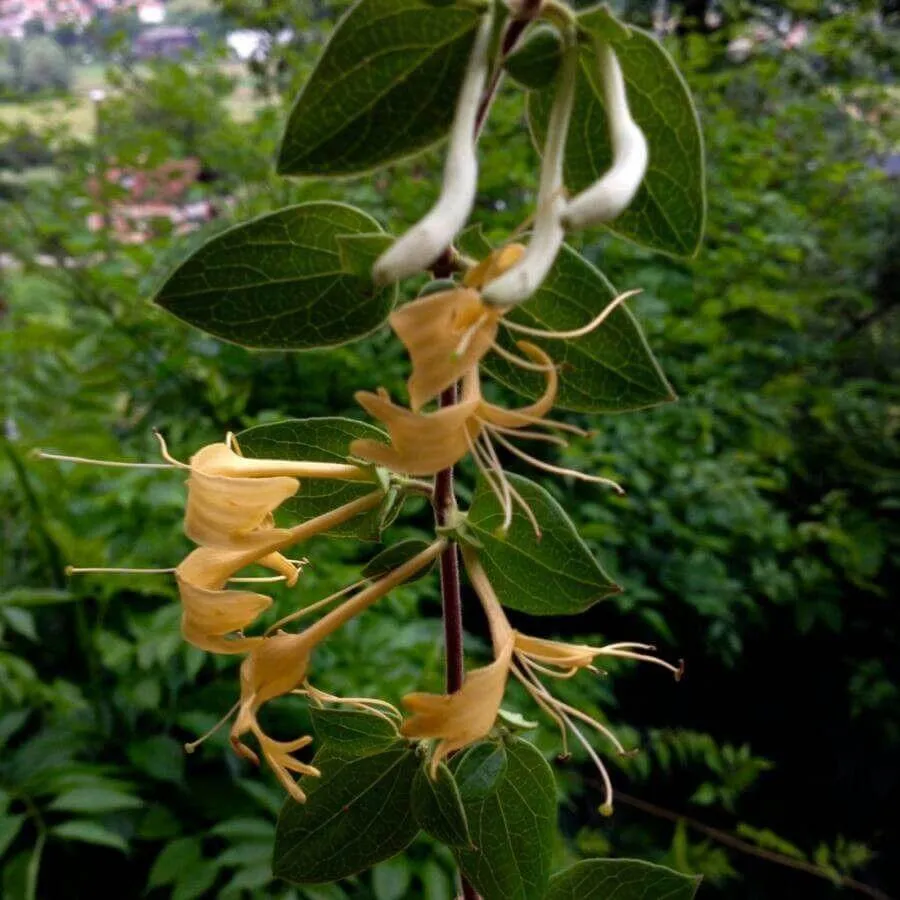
[
  {"x": 425, "y": 443},
  {"x": 448, "y": 333},
  {"x": 231, "y": 498},
  {"x": 209, "y": 611},
  {"x": 468, "y": 715},
  {"x": 278, "y": 664}
]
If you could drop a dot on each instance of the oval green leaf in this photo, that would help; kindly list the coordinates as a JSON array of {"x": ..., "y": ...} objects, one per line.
[
  {"x": 534, "y": 65},
  {"x": 611, "y": 369},
  {"x": 352, "y": 732},
  {"x": 384, "y": 87},
  {"x": 478, "y": 771},
  {"x": 512, "y": 830},
  {"x": 279, "y": 282},
  {"x": 323, "y": 439},
  {"x": 438, "y": 807},
  {"x": 356, "y": 815},
  {"x": 552, "y": 576},
  {"x": 624, "y": 879},
  {"x": 668, "y": 212}
]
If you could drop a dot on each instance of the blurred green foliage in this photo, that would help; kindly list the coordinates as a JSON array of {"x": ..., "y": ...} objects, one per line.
[{"x": 757, "y": 538}]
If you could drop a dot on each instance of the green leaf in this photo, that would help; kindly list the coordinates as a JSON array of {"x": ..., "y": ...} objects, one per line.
[
  {"x": 479, "y": 770},
  {"x": 623, "y": 879},
  {"x": 472, "y": 242},
  {"x": 89, "y": 833},
  {"x": 394, "y": 556},
  {"x": 245, "y": 829},
  {"x": 9, "y": 828},
  {"x": 390, "y": 879},
  {"x": 356, "y": 815},
  {"x": 512, "y": 829},
  {"x": 24, "y": 596},
  {"x": 437, "y": 807},
  {"x": 384, "y": 87},
  {"x": 318, "y": 440},
  {"x": 176, "y": 857},
  {"x": 358, "y": 252},
  {"x": 668, "y": 212},
  {"x": 598, "y": 22},
  {"x": 553, "y": 575},
  {"x": 160, "y": 757},
  {"x": 611, "y": 369},
  {"x": 95, "y": 800},
  {"x": 535, "y": 63},
  {"x": 352, "y": 732},
  {"x": 279, "y": 281}
]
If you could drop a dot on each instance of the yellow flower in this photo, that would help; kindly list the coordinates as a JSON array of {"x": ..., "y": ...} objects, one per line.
[
  {"x": 468, "y": 715},
  {"x": 448, "y": 333},
  {"x": 209, "y": 611},
  {"x": 231, "y": 498},
  {"x": 278, "y": 664},
  {"x": 425, "y": 443}
]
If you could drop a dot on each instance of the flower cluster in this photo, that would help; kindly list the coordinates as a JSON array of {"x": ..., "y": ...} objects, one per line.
[{"x": 229, "y": 515}]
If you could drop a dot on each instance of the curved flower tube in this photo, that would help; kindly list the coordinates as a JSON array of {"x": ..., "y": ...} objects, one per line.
[
  {"x": 426, "y": 240},
  {"x": 524, "y": 278},
  {"x": 610, "y": 196}
]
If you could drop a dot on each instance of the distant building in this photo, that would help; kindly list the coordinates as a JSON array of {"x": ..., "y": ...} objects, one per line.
[
  {"x": 165, "y": 41},
  {"x": 15, "y": 15}
]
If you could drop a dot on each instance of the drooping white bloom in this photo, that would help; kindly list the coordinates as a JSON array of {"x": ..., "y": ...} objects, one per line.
[
  {"x": 427, "y": 239},
  {"x": 610, "y": 196},
  {"x": 524, "y": 278}
]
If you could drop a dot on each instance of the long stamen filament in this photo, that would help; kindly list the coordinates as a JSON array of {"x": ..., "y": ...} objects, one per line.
[
  {"x": 542, "y": 703},
  {"x": 531, "y": 435},
  {"x": 677, "y": 671},
  {"x": 501, "y": 475},
  {"x": 164, "y": 452},
  {"x": 100, "y": 570},
  {"x": 558, "y": 470},
  {"x": 306, "y": 610},
  {"x": 485, "y": 469},
  {"x": 110, "y": 463},
  {"x": 519, "y": 361},
  {"x": 193, "y": 745},
  {"x": 575, "y": 332}
]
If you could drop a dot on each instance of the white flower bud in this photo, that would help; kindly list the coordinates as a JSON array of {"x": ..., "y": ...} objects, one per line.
[
  {"x": 524, "y": 278},
  {"x": 609, "y": 197},
  {"x": 426, "y": 240}
]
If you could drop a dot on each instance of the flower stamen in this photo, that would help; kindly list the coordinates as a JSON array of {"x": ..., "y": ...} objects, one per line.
[{"x": 575, "y": 332}]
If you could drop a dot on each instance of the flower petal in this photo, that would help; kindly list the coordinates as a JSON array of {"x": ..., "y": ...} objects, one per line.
[
  {"x": 421, "y": 444},
  {"x": 464, "y": 717},
  {"x": 493, "y": 265},
  {"x": 432, "y": 328},
  {"x": 526, "y": 415}
]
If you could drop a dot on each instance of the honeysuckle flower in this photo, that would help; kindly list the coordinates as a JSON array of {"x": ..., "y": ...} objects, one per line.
[
  {"x": 448, "y": 333},
  {"x": 210, "y": 612},
  {"x": 277, "y": 664},
  {"x": 610, "y": 195},
  {"x": 524, "y": 278},
  {"x": 433, "y": 234},
  {"x": 468, "y": 715},
  {"x": 425, "y": 443},
  {"x": 231, "y": 497}
]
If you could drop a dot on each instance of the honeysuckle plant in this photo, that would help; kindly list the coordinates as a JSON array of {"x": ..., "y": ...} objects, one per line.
[{"x": 620, "y": 147}]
